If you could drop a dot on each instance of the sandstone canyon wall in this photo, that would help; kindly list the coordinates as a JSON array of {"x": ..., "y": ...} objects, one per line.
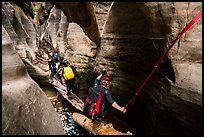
[{"x": 133, "y": 37}]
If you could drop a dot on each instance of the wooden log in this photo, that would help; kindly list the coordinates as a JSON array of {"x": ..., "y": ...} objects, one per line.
[
  {"x": 73, "y": 100},
  {"x": 96, "y": 128}
]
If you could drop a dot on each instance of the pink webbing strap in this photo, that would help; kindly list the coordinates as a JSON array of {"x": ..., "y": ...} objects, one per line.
[{"x": 156, "y": 66}]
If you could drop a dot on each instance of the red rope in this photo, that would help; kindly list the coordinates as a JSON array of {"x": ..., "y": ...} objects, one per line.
[{"x": 156, "y": 66}]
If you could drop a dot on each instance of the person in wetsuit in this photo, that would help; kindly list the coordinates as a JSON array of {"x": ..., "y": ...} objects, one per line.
[
  {"x": 52, "y": 66},
  {"x": 102, "y": 83},
  {"x": 70, "y": 82}
]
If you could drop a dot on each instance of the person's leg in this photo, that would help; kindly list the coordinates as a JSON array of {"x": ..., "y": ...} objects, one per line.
[
  {"x": 68, "y": 84},
  {"x": 54, "y": 72},
  {"x": 50, "y": 71},
  {"x": 58, "y": 74},
  {"x": 77, "y": 86},
  {"x": 100, "y": 117},
  {"x": 51, "y": 74},
  {"x": 72, "y": 84}
]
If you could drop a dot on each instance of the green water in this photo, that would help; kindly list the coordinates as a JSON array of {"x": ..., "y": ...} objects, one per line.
[
  {"x": 64, "y": 110},
  {"x": 49, "y": 91}
]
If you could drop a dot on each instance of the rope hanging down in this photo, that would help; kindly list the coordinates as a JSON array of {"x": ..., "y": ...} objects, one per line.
[{"x": 156, "y": 66}]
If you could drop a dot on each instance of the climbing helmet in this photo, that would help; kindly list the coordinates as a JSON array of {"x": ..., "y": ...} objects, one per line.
[
  {"x": 56, "y": 55},
  {"x": 105, "y": 81}
]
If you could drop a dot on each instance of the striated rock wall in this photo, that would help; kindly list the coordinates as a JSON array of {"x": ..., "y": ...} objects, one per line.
[
  {"x": 135, "y": 35},
  {"x": 26, "y": 109},
  {"x": 23, "y": 35},
  {"x": 186, "y": 55}
]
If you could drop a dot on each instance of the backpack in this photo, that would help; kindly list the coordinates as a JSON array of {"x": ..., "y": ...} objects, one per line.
[
  {"x": 93, "y": 103},
  {"x": 68, "y": 73}
]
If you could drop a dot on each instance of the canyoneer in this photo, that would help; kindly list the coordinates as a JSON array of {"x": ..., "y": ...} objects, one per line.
[
  {"x": 69, "y": 73},
  {"x": 52, "y": 66},
  {"x": 99, "y": 96}
]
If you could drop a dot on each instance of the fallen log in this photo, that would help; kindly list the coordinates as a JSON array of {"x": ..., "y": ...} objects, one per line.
[
  {"x": 95, "y": 128},
  {"x": 73, "y": 100}
]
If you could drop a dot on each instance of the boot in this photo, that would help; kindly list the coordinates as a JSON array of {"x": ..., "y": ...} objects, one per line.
[{"x": 68, "y": 94}]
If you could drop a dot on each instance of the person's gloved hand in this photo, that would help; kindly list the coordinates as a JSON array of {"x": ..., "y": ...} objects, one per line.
[
  {"x": 123, "y": 109},
  {"x": 103, "y": 72}
]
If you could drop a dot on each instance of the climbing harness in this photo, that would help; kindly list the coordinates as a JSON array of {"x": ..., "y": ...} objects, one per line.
[{"x": 156, "y": 66}]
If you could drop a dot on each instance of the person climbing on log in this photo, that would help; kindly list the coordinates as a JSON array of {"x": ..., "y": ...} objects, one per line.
[
  {"x": 60, "y": 67},
  {"x": 69, "y": 74},
  {"x": 52, "y": 66},
  {"x": 99, "y": 96}
]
